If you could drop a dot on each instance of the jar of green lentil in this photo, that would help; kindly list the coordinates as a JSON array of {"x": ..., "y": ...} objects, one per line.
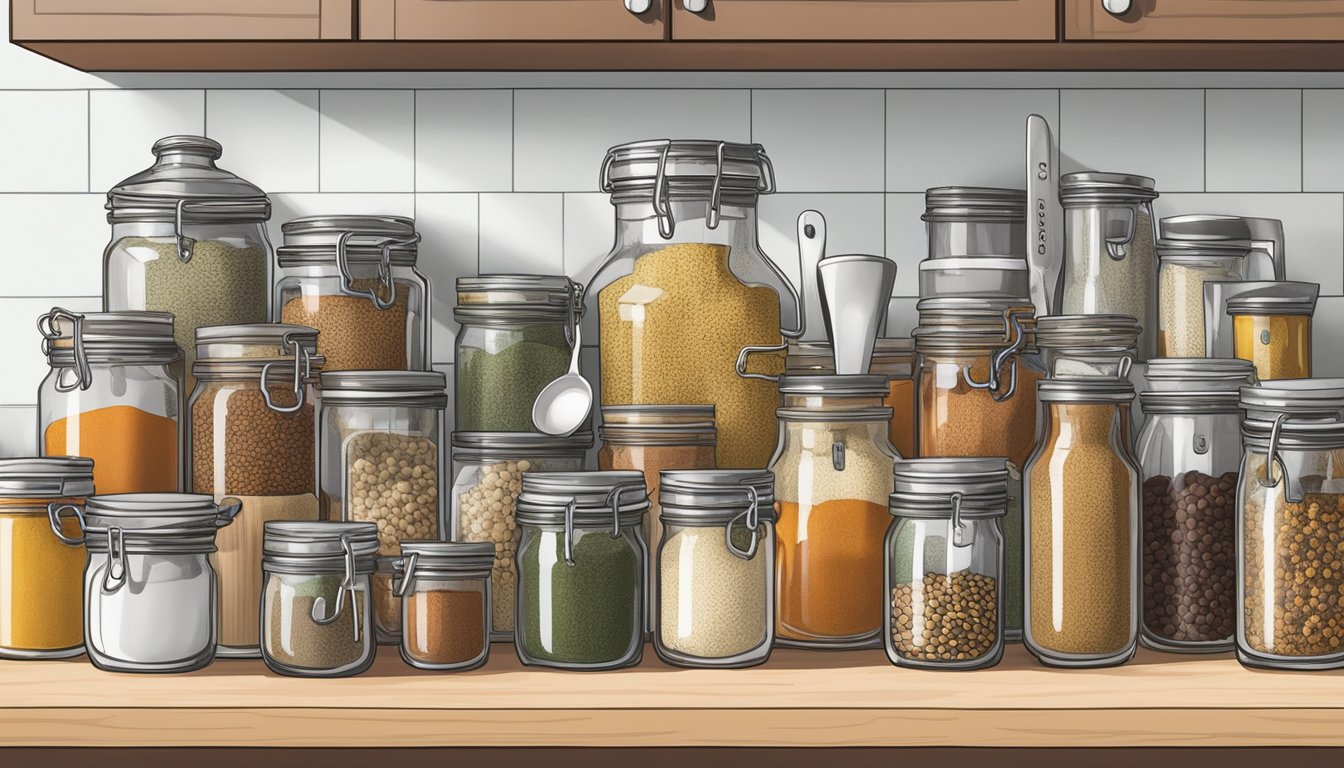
[
  {"x": 516, "y": 335},
  {"x": 581, "y": 577}
]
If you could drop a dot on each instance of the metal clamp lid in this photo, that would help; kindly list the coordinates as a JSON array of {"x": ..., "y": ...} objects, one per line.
[
  {"x": 303, "y": 371},
  {"x": 413, "y": 389},
  {"x": 77, "y": 340},
  {"x": 978, "y": 204},
  {"x": 525, "y": 298},
  {"x": 1085, "y": 390},
  {"x": 50, "y": 477},
  {"x": 441, "y": 559},
  {"x": 550, "y": 498}
]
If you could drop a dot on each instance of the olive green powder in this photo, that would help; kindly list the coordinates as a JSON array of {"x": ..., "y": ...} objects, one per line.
[
  {"x": 294, "y": 639},
  {"x": 498, "y": 382},
  {"x": 592, "y": 608}
]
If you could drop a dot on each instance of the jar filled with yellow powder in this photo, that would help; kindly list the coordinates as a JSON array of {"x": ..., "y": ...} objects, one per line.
[
  {"x": 686, "y": 290},
  {"x": 1271, "y": 327},
  {"x": 41, "y": 576}
]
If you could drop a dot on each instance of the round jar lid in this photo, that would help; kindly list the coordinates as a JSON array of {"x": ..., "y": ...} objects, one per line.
[
  {"x": 77, "y": 339},
  {"x": 1217, "y": 372},
  {"x": 512, "y": 446},
  {"x": 421, "y": 389},
  {"x": 1204, "y": 227},
  {"x": 52, "y": 477},
  {"x": 185, "y": 172},
  {"x": 1190, "y": 251},
  {"x": 687, "y": 168},
  {"x": 448, "y": 558},
  {"x": 518, "y": 299},
  {"x": 278, "y": 336},
  {"x": 923, "y": 488},
  {"x": 1293, "y": 434},
  {"x": 1092, "y": 389},
  {"x": 595, "y": 496},
  {"x": 834, "y": 385},
  {"x": 318, "y": 539},
  {"x": 315, "y": 240},
  {"x": 713, "y": 495},
  {"x": 972, "y": 324},
  {"x": 1097, "y": 186},
  {"x": 1307, "y": 398},
  {"x": 1190, "y": 401},
  {"x": 1087, "y": 331},
  {"x": 187, "y": 512},
  {"x": 974, "y": 204},
  {"x": 1258, "y": 303}
]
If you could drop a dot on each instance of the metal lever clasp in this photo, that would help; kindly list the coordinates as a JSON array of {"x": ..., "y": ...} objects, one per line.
[
  {"x": 114, "y": 573},
  {"x": 184, "y": 244},
  {"x": 347, "y": 585},
  {"x": 961, "y": 533},
  {"x": 301, "y": 374},
  {"x": 747, "y": 352},
  {"x": 54, "y": 510},
  {"x": 46, "y": 325},
  {"x": 402, "y": 582},
  {"x": 1017, "y": 338},
  {"x": 574, "y": 310},
  {"x": 384, "y": 269},
  {"x": 662, "y": 206},
  {"x": 1272, "y": 457},
  {"x": 712, "y": 208},
  {"x": 752, "y": 518},
  {"x": 1116, "y": 241},
  {"x": 569, "y": 532}
]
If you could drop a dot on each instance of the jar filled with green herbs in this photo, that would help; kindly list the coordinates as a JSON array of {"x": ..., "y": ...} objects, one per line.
[
  {"x": 581, "y": 577},
  {"x": 516, "y": 336}
]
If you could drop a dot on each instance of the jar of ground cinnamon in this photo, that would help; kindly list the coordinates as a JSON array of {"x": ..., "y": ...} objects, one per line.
[{"x": 444, "y": 588}]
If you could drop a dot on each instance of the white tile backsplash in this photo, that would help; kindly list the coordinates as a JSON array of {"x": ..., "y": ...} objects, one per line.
[
  {"x": 1156, "y": 133},
  {"x": 367, "y": 141},
  {"x": 18, "y": 431},
  {"x": 287, "y": 207},
  {"x": 590, "y": 230},
  {"x": 448, "y": 250},
  {"x": 1253, "y": 140},
  {"x": 464, "y": 141},
  {"x": 1322, "y": 141},
  {"x": 902, "y": 316},
  {"x": 1326, "y": 359},
  {"x": 44, "y": 141},
  {"x": 55, "y": 244},
  {"x": 269, "y": 137},
  {"x": 126, "y": 125},
  {"x": 522, "y": 233},
  {"x": 21, "y": 344},
  {"x": 824, "y": 140},
  {"x": 907, "y": 240}
]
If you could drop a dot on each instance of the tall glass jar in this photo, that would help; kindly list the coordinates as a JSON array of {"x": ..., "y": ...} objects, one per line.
[
  {"x": 1087, "y": 345},
  {"x": 354, "y": 279},
  {"x": 315, "y": 608},
  {"x": 253, "y": 436},
  {"x": 487, "y": 476},
  {"x": 189, "y": 239},
  {"x": 1186, "y": 265},
  {"x": 581, "y": 574},
  {"x": 944, "y": 564},
  {"x": 149, "y": 591},
  {"x": 686, "y": 289},
  {"x": 516, "y": 335},
  {"x": 41, "y": 560},
  {"x": 976, "y": 221},
  {"x": 832, "y": 472},
  {"x": 113, "y": 396},
  {"x": 1110, "y": 255},
  {"x": 1081, "y": 525},
  {"x": 715, "y": 603},
  {"x": 1272, "y": 328},
  {"x": 1190, "y": 450}
]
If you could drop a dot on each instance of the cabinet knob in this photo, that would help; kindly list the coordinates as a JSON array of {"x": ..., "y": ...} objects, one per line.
[
  {"x": 1116, "y": 7},
  {"x": 638, "y": 6},
  {"x": 695, "y": 6}
]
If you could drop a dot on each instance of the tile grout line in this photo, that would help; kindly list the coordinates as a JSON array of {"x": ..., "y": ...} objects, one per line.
[
  {"x": 1204, "y": 95},
  {"x": 513, "y": 155},
  {"x": 319, "y": 140},
  {"x": 88, "y": 140}
]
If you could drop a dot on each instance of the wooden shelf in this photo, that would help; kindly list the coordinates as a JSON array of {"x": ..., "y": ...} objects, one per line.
[{"x": 799, "y": 699}]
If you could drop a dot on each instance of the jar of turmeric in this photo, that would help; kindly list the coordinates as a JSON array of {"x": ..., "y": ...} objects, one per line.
[
  {"x": 832, "y": 472},
  {"x": 41, "y": 579},
  {"x": 1272, "y": 328}
]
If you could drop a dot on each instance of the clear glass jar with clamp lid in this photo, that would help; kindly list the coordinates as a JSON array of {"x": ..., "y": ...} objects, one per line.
[{"x": 444, "y": 589}]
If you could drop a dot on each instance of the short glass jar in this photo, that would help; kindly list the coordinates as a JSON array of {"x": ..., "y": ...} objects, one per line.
[
  {"x": 944, "y": 564},
  {"x": 975, "y": 221},
  {"x": 892, "y": 358},
  {"x": 113, "y": 395},
  {"x": 316, "y": 610},
  {"x": 150, "y": 595},
  {"x": 1087, "y": 345},
  {"x": 715, "y": 602},
  {"x": 832, "y": 471},
  {"x": 516, "y": 335},
  {"x": 488, "y": 472},
  {"x": 253, "y": 436},
  {"x": 444, "y": 592},
  {"x": 41, "y": 594},
  {"x": 581, "y": 572},
  {"x": 1186, "y": 265},
  {"x": 354, "y": 279},
  {"x": 1272, "y": 328},
  {"x": 1081, "y": 524}
]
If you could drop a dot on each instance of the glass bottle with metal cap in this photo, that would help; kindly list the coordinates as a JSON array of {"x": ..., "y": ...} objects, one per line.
[
  {"x": 1271, "y": 327},
  {"x": 715, "y": 576},
  {"x": 581, "y": 574},
  {"x": 976, "y": 221},
  {"x": 516, "y": 336},
  {"x": 1110, "y": 260},
  {"x": 189, "y": 239},
  {"x": 354, "y": 279},
  {"x": 944, "y": 564},
  {"x": 832, "y": 472},
  {"x": 149, "y": 590},
  {"x": 253, "y": 435},
  {"x": 686, "y": 288},
  {"x": 444, "y": 589},
  {"x": 1190, "y": 450},
  {"x": 1081, "y": 524},
  {"x": 1087, "y": 345},
  {"x": 41, "y": 596},
  {"x": 316, "y": 612},
  {"x": 113, "y": 395}
]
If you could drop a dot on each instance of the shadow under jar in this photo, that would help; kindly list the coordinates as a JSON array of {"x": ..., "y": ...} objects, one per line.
[
  {"x": 316, "y": 606},
  {"x": 581, "y": 573},
  {"x": 149, "y": 591},
  {"x": 1081, "y": 523},
  {"x": 944, "y": 564},
  {"x": 41, "y": 594},
  {"x": 444, "y": 590},
  {"x": 354, "y": 279},
  {"x": 715, "y": 577}
]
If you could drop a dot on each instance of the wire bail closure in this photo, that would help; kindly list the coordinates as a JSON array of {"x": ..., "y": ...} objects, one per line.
[
  {"x": 1272, "y": 457},
  {"x": 384, "y": 269},
  {"x": 961, "y": 533},
  {"x": 1017, "y": 337},
  {"x": 347, "y": 585},
  {"x": 46, "y": 325},
  {"x": 54, "y": 510},
  {"x": 752, "y": 517},
  {"x": 300, "y": 394},
  {"x": 114, "y": 573},
  {"x": 614, "y": 499}
]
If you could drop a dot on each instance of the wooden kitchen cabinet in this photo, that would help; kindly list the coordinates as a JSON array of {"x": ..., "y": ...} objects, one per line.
[
  {"x": 509, "y": 20},
  {"x": 1207, "y": 20},
  {"x": 182, "y": 19},
  {"x": 865, "y": 20}
]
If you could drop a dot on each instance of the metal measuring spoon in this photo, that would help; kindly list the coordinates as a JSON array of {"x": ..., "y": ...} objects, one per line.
[{"x": 563, "y": 405}]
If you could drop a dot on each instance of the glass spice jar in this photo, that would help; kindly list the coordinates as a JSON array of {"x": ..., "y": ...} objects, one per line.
[
  {"x": 832, "y": 471},
  {"x": 944, "y": 564},
  {"x": 1087, "y": 345},
  {"x": 41, "y": 560},
  {"x": 581, "y": 573},
  {"x": 892, "y": 358},
  {"x": 443, "y": 589},
  {"x": 714, "y": 605},
  {"x": 975, "y": 221},
  {"x": 488, "y": 472},
  {"x": 188, "y": 239},
  {"x": 686, "y": 290},
  {"x": 149, "y": 590},
  {"x": 1271, "y": 327},
  {"x": 315, "y": 606},
  {"x": 354, "y": 279},
  {"x": 253, "y": 436},
  {"x": 1186, "y": 265},
  {"x": 516, "y": 335},
  {"x": 1081, "y": 523},
  {"x": 113, "y": 395}
]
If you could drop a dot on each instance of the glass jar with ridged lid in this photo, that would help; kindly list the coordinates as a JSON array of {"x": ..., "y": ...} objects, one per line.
[
  {"x": 443, "y": 590},
  {"x": 975, "y": 221},
  {"x": 1088, "y": 345}
]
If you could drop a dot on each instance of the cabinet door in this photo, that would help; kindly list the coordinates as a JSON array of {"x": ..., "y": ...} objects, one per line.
[
  {"x": 1242, "y": 20},
  {"x": 182, "y": 19},
  {"x": 511, "y": 20},
  {"x": 864, "y": 20}
]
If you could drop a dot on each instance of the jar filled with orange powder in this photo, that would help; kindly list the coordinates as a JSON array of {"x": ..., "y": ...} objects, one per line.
[
  {"x": 41, "y": 575},
  {"x": 1272, "y": 328}
]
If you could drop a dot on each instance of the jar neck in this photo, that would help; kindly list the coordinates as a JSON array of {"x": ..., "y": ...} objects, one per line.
[{"x": 638, "y": 223}]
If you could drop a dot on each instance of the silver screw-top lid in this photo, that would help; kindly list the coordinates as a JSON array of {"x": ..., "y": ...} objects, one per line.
[
  {"x": 46, "y": 478},
  {"x": 978, "y": 204},
  {"x": 1276, "y": 298},
  {"x": 1215, "y": 371},
  {"x": 1184, "y": 251},
  {"x": 446, "y": 558},
  {"x": 419, "y": 389},
  {"x": 318, "y": 240},
  {"x": 924, "y": 488},
  {"x": 185, "y": 176},
  {"x": 594, "y": 497},
  {"x": 319, "y": 539},
  {"x": 1087, "y": 331},
  {"x": 1089, "y": 389},
  {"x": 647, "y": 425},
  {"x": 508, "y": 299},
  {"x": 1296, "y": 398},
  {"x": 714, "y": 495},
  {"x": 1096, "y": 186},
  {"x": 185, "y": 512},
  {"x": 74, "y": 341},
  {"x": 515, "y": 446}
]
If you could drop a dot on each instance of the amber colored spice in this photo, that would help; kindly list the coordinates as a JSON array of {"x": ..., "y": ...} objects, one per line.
[
  {"x": 41, "y": 581},
  {"x": 353, "y": 333},
  {"x": 1278, "y": 345},
  {"x": 445, "y": 626},
  {"x": 133, "y": 451},
  {"x": 830, "y": 579},
  {"x": 901, "y": 399}
]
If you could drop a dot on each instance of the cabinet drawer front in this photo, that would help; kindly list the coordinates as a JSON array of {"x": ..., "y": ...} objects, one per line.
[
  {"x": 182, "y": 19},
  {"x": 866, "y": 20},
  {"x": 1244, "y": 20},
  {"x": 509, "y": 20}
]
